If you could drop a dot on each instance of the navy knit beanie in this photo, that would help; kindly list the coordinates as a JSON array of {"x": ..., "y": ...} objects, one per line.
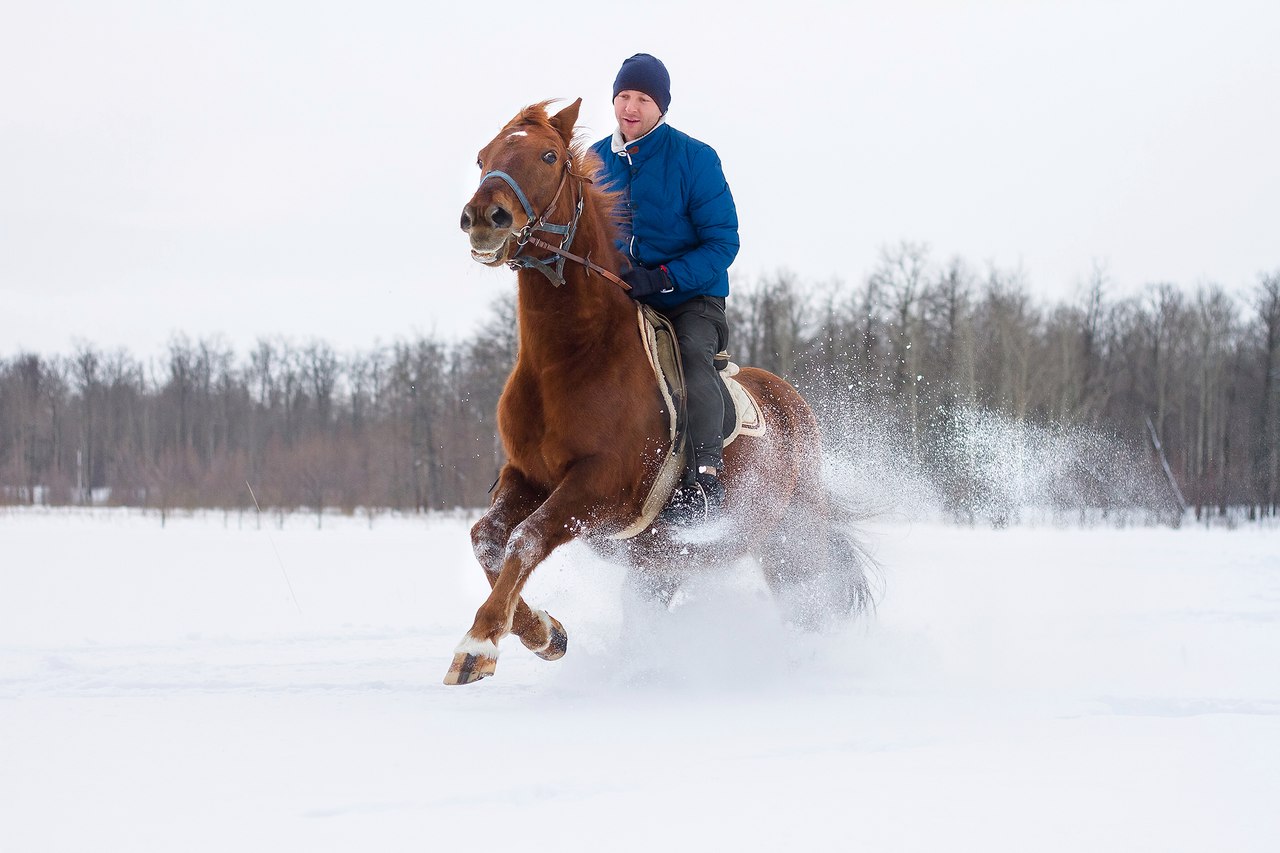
[{"x": 645, "y": 73}]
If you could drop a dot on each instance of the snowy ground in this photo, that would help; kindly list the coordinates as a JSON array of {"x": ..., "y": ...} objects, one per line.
[{"x": 1025, "y": 689}]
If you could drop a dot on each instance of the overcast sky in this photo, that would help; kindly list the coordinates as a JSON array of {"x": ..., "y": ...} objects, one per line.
[{"x": 251, "y": 169}]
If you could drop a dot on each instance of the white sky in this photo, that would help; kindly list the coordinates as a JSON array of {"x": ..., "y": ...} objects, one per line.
[{"x": 251, "y": 169}]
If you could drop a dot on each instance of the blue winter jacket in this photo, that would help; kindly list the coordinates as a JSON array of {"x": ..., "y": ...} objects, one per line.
[{"x": 676, "y": 211}]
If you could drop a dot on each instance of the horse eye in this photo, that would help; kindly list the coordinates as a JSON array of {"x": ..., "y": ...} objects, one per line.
[
  {"x": 479, "y": 162},
  {"x": 549, "y": 157}
]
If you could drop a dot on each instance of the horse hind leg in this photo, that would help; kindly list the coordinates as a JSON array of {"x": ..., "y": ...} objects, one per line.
[
  {"x": 814, "y": 570},
  {"x": 647, "y": 590},
  {"x": 646, "y": 647},
  {"x": 792, "y": 561}
]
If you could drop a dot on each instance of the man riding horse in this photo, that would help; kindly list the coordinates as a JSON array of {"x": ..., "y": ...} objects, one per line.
[{"x": 679, "y": 230}]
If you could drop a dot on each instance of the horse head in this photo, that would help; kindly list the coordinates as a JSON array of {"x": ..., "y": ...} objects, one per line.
[{"x": 524, "y": 170}]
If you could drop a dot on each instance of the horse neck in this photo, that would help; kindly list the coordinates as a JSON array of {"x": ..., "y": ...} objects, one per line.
[
  {"x": 587, "y": 311},
  {"x": 576, "y": 316}
]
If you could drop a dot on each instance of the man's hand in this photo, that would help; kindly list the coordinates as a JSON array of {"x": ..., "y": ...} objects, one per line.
[{"x": 647, "y": 282}]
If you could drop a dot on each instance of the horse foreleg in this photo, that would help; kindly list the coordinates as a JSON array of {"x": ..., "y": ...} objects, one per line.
[
  {"x": 538, "y": 630},
  {"x": 558, "y": 519}
]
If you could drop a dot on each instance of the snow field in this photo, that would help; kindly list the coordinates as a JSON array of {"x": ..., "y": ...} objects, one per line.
[{"x": 1030, "y": 688}]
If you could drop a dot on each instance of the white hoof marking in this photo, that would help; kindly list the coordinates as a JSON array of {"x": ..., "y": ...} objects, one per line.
[
  {"x": 545, "y": 619},
  {"x": 480, "y": 648}
]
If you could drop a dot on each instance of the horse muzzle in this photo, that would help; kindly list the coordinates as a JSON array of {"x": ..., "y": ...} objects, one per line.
[{"x": 490, "y": 231}]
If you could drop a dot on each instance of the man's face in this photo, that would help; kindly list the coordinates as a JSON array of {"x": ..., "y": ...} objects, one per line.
[{"x": 636, "y": 112}]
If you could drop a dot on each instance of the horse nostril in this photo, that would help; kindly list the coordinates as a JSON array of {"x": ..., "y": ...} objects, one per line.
[
  {"x": 466, "y": 219},
  {"x": 500, "y": 217}
]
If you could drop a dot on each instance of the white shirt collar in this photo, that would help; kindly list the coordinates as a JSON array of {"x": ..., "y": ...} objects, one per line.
[{"x": 620, "y": 146}]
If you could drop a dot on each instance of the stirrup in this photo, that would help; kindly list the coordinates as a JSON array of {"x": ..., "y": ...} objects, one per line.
[{"x": 696, "y": 502}]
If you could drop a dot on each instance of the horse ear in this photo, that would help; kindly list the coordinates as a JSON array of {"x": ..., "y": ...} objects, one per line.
[{"x": 564, "y": 121}]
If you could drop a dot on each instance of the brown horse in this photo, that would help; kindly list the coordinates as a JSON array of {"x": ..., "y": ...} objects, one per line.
[{"x": 583, "y": 423}]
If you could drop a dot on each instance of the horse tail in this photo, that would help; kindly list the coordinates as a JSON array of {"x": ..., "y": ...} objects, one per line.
[{"x": 854, "y": 570}]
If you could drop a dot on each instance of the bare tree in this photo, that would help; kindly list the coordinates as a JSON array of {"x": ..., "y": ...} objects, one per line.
[
  {"x": 1266, "y": 452},
  {"x": 1007, "y": 324},
  {"x": 952, "y": 299},
  {"x": 900, "y": 279},
  {"x": 1215, "y": 316}
]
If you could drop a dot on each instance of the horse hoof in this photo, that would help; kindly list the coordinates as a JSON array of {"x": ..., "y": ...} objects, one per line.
[
  {"x": 472, "y": 662},
  {"x": 557, "y": 640},
  {"x": 468, "y": 668}
]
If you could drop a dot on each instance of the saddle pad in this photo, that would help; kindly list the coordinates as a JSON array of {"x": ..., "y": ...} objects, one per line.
[{"x": 748, "y": 420}]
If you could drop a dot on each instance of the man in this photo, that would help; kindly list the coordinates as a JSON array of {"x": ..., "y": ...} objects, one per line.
[{"x": 680, "y": 232}]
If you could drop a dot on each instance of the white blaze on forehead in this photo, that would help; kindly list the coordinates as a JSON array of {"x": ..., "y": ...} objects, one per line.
[{"x": 517, "y": 133}]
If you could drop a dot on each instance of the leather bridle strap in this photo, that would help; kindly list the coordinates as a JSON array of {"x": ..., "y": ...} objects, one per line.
[
  {"x": 533, "y": 220},
  {"x": 586, "y": 262}
]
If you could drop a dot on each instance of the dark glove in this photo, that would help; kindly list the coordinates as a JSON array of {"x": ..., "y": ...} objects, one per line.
[{"x": 647, "y": 282}]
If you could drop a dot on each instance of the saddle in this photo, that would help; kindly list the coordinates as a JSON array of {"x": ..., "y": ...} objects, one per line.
[{"x": 742, "y": 414}]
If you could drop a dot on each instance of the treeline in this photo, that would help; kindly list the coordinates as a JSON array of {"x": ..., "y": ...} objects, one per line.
[
  {"x": 410, "y": 426},
  {"x": 926, "y": 344}
]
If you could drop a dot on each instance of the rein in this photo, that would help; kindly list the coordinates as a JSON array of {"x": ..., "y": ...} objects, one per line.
[
  {"x": 586, "y": 262},
  {"x": 553, "y": 272}
]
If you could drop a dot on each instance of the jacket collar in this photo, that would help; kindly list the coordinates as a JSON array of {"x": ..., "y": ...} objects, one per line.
[{"x": 641, "y": 146}]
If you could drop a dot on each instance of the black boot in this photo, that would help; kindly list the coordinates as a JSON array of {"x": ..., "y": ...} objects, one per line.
[{"x": 695, "y": 502}]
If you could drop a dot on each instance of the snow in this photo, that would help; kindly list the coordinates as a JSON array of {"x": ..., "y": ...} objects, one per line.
[{"x": 1034, "y": 688}]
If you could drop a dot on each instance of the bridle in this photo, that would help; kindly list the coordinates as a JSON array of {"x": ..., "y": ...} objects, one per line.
[{"x": 553, "y": 270}]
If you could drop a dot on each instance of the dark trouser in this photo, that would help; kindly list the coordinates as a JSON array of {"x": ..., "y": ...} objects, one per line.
[{"x": 702, "y": 331}]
